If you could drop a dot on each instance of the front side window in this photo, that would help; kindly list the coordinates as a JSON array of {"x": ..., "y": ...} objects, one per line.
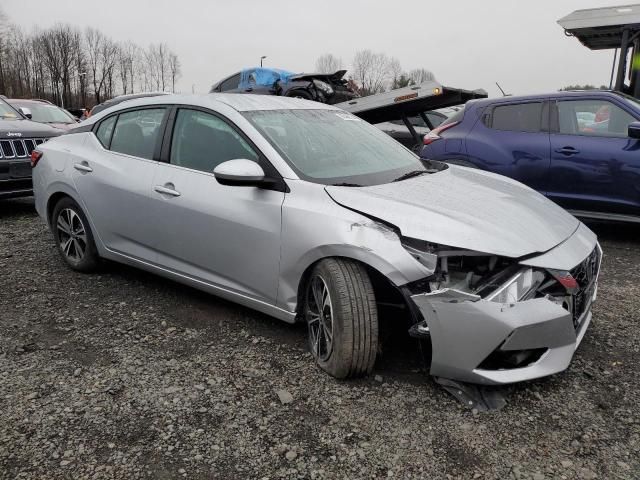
[
  {"x": 522, "y": 117},
  {"x": 137, "y": 132},
  {"x": 334, "y": 147},
  {"x": 105, "y": 130},
  {"x": 202, "y": 141},
  {"x": 596, "y": 118}
]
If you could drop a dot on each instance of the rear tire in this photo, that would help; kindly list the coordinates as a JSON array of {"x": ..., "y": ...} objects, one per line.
[
  {"x": 342, "y": 318},
  {"x": 73, "y": 236}
]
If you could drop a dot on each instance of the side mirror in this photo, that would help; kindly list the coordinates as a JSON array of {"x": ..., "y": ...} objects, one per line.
[
  {"x": 240, "y": 172},
  {"x": 634, "y": 130},
  {"x": 26, "y": 112}
]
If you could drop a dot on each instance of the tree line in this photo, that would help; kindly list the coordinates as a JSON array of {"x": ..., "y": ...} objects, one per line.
[
  {"x": 373, "y": 72},
  {"x": 79, "y": 68}
]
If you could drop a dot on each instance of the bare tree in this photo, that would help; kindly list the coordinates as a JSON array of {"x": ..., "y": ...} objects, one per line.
[
  {"x": 102, "y": 54},
  {"x": 328, "y": 63},
  {"x": 174, "y": 70},
  {"x": 62, "y": 64},
  {"x": 420, "y": 75},
  {"x": 372, "y": 71},
  {"x": 4, "y": 28}
]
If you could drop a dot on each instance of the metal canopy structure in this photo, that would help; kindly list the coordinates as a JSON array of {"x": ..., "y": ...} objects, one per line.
[
  {"x": 602, "y": 28},
  {"x": 610, "y": 28}
]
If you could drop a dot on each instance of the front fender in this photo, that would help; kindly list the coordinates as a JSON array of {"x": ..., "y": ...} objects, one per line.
[{"x": 315, "y": 227}]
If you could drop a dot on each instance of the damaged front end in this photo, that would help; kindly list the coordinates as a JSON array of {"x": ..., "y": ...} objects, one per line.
[{"x": 495, "y": 320}]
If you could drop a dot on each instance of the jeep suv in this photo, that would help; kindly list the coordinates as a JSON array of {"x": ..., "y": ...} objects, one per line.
[{"x": 18, "y": 138}]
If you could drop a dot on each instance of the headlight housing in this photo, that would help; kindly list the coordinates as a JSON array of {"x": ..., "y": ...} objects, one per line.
[
  {"x": 519, "y": 287},
  {"x": 324, "y": 87}
]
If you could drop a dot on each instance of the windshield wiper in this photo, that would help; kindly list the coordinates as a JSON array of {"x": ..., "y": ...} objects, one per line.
[
  {"x": 413, "y": 173},
  {"x": 345, "y": 184}
]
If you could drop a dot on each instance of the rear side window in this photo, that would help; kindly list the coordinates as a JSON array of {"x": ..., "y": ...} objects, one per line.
[
  {"x": 230, "y": 83},
  {"x": 455, "y": 118},
  {"x": 523, "y": 117},
  {"x": 137, "y": 132},
  {"x": 105, "y": 130}
]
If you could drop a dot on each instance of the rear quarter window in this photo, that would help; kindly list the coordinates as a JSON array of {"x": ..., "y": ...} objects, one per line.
[
  {"x": 520, "y": 117},
  {"x": 105, "y": 130},
  {"x": 455, "y": 118}
]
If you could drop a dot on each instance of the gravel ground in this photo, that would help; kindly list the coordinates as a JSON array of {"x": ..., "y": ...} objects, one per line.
[{"x": 126, "y": 375}]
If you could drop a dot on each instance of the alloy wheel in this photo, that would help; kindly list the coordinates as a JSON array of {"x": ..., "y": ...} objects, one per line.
[
  {"x": 72, "y": 235},
  {"x": 319, "y": 316}
]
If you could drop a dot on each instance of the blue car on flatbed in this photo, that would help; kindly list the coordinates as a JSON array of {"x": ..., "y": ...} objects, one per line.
[{"x": 581, "y": 148}]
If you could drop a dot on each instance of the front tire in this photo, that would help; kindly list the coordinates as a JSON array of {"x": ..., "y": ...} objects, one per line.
[
  {"x": 73, "y": 236},
  {"x": 342, "y": 318}
]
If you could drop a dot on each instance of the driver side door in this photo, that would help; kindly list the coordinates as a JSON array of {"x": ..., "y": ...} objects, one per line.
[{"x": 224, "y": 236}]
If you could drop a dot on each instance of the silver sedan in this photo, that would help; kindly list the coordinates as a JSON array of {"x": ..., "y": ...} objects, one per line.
[{"x": 307, "y": 213}]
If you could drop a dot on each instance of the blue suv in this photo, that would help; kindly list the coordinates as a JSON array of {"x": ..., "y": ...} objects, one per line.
[{"x": 580, "y": 149}]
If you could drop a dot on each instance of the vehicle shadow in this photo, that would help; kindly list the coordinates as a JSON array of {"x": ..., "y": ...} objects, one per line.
[
  {"x": 16, "y": 207},
  {"x": 616, "y": 232}
]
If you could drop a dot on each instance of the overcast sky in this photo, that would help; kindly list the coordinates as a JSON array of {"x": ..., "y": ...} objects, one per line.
[{"x": 466, "y": 43}]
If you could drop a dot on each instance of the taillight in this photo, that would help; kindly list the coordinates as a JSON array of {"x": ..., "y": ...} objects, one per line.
[
  {"x": 36, "y": 155},
  {"x": 434, "y": 134}
]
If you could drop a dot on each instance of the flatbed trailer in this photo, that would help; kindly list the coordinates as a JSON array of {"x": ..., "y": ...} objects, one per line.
[{"x": 410, "y": 101}]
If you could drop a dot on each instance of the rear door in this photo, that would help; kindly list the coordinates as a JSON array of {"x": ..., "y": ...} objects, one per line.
[
  {"x": 114, "y": 176},
  {"x": 595, "y": 166},
  {"x": 512, "y": 139}
]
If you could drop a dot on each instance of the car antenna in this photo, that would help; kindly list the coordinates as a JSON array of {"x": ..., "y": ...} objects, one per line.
[{"x": 503, "y": 93}]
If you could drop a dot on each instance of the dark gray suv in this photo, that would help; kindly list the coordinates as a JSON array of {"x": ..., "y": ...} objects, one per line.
[{"x": 18, "y": 138}]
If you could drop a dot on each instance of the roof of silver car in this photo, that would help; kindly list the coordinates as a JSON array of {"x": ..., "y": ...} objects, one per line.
[{"x": 239, "y": 102}]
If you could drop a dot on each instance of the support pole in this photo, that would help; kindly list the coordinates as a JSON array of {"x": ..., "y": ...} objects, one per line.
[
  {"x": 622, "y": 64},
  {"x": 412, "y": 130},
  {"x": 635, "y": 70}
]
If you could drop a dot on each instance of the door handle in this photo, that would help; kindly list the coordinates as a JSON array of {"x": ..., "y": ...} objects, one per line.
[
  {"x": 567, "y": 151},
  {"x": 167, "y": 189},
  {"x": 83, "y": 167}
]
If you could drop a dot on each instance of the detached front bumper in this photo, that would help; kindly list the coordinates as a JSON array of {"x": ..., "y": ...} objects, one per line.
[
  {"x": 491, "y": 343},
  {"x": 466, "y": 334}
]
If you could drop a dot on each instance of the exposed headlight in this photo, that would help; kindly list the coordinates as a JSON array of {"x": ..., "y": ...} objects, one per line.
[
  {"x": 323, "y": 87},
  {"x": 517, "y": 288}
]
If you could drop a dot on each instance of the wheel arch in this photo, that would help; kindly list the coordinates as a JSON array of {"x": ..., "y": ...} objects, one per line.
[
  {"x": 57, "y": 193},
  {"x": 383, "y": 286}
]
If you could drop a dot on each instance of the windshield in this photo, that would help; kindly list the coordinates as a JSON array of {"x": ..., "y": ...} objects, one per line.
[
  {"x": 334, "y": 147},
  {"x": 7, "y": 112},
  {"x": 45, "y": 113}
]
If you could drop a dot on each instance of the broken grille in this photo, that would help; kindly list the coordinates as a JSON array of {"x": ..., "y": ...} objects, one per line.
[
  {"x": 586, "y": 274},
  {"x": 21, "y": 148}
]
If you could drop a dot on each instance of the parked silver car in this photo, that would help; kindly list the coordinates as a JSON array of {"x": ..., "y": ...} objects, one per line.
[{"x": 305, "y": 212}]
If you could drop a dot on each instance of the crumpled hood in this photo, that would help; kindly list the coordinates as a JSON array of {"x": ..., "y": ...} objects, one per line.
[{"x": 465, "y": 208}]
